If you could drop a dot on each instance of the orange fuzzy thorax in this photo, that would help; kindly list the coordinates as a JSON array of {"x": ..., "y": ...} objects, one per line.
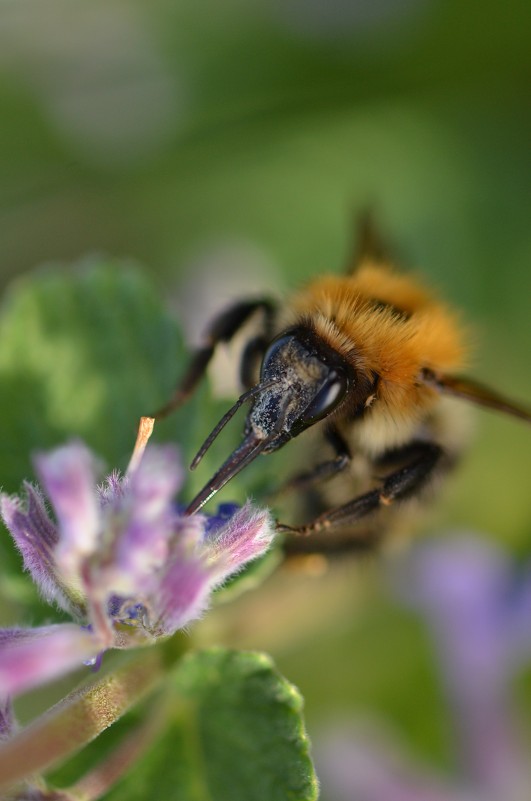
[{"x": 344, "y": 311}]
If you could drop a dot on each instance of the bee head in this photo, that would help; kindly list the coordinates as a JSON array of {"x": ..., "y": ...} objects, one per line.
[
  {"x": 306, "y": 381},
  {"x": 302, "y": 381}
]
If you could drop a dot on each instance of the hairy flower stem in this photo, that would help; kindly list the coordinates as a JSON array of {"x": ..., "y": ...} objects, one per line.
[
  {"x": 79, "y": 718},
  {"x": 98, "y": 781}
]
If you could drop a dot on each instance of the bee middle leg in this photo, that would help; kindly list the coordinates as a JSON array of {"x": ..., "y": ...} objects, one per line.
[
  {"x": 323, "y": 470},
  {"x": 421, "y": 459}
]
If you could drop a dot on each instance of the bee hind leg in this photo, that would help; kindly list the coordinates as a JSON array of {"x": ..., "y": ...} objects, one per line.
[{"x": 402, "y": 483}]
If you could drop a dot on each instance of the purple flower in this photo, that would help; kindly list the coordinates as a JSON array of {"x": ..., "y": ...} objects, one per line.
[
  {"x": 120, "y": 559},
  {"x": 478, "y": 610},
  {"x": 475, "y": 605},
  {"x": 7, "y": 719}
]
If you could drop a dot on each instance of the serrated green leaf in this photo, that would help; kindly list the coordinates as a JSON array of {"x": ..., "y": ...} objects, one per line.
[
  {"x": 83, "y": 352},
  {"x": 237, "y": 734}
]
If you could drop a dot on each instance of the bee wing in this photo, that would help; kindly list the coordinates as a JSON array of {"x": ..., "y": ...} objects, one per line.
[
  {"x": 475, "y": 393},
  {"x": 369, "y": 244}
]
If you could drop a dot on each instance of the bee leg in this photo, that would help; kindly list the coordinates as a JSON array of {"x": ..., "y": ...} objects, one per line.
[
  {"x": 324, "y": 470},
  {"x": 360, "y": 542},
  {"x": 405, "y": 455},
  {"x": 222, "y": 329},
  {"x": 251, "y": 357},
  {"x": 403, "y": 483}
]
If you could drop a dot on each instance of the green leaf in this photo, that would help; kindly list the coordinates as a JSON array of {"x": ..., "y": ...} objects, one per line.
[
  {"x": 83, "y": 352},
  {"x": 236, "y": 733}
]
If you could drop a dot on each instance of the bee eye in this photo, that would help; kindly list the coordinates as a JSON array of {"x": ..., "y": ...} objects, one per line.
[
  {"x": 278, "y": 353},
  {"x": 329, "y": 396}
]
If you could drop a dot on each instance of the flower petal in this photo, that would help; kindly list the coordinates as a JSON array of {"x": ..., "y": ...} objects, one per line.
[
  {"x": 7, "y": 718},
  {"x": 464, "y": 587},
  {"x": 36, "y": 537},
  {"x": 146, "y": 517},
  {"x": 246, "y": 536},
  {"x": 183, "y": 593},
  {"x": 68, "y": 476},
  {"x": 357, "y": 763},
  {"x": 30, "y": 657},
  {"x": 519, "y": 617},
  {"x": 27, "y": 528}
]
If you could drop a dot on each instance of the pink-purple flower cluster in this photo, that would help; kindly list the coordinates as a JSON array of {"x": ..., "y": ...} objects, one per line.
[
  {"x": 478, "y": 609},
  {"x": 120, "y": 559}
]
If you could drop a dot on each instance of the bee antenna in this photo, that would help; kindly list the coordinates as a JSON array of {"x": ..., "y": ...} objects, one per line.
[{"x": 225, "y": 419}]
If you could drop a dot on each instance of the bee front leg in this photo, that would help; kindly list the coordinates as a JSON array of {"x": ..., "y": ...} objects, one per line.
[
  {"x": 401, "y": 484},
  {"x": 324, "y": 470},
  {"x": 222, "y": 329},
  {"x": 251, "y": 358}
]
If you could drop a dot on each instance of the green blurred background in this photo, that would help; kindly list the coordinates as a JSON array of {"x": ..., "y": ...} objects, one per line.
[{"x": 222, "y": 145}]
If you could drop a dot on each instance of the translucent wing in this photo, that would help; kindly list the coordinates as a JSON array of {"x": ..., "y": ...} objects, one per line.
[{"x": 475, "y": 393}]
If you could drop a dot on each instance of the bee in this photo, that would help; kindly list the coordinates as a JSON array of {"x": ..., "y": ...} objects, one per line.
[{"x": 371, "y": 361}]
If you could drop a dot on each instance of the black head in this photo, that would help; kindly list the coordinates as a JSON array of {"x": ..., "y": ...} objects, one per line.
[
  {"x": 306, "y": 379},
  {"x": 302, "y": 380}
]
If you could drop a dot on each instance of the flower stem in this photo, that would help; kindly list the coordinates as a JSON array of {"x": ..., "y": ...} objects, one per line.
[
  {"x": 98, "y": 781},
  {"x": 79, "y": 718}
]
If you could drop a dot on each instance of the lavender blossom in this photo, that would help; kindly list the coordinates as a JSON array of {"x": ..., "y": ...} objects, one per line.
[
  {"x": 120, "y": 559},
  {"x": 473, "y": 601},
  {"x": 7, "y": 719},
  {"x": 478, "y": 610}
]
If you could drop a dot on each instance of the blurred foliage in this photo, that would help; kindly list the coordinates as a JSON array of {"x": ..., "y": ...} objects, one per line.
[
  {"x": 82, "y": 353},
  {"x": 229, "y": 147}
]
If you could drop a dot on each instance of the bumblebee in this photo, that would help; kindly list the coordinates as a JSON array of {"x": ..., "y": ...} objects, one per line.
[{"x": 371, "y": 359}]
